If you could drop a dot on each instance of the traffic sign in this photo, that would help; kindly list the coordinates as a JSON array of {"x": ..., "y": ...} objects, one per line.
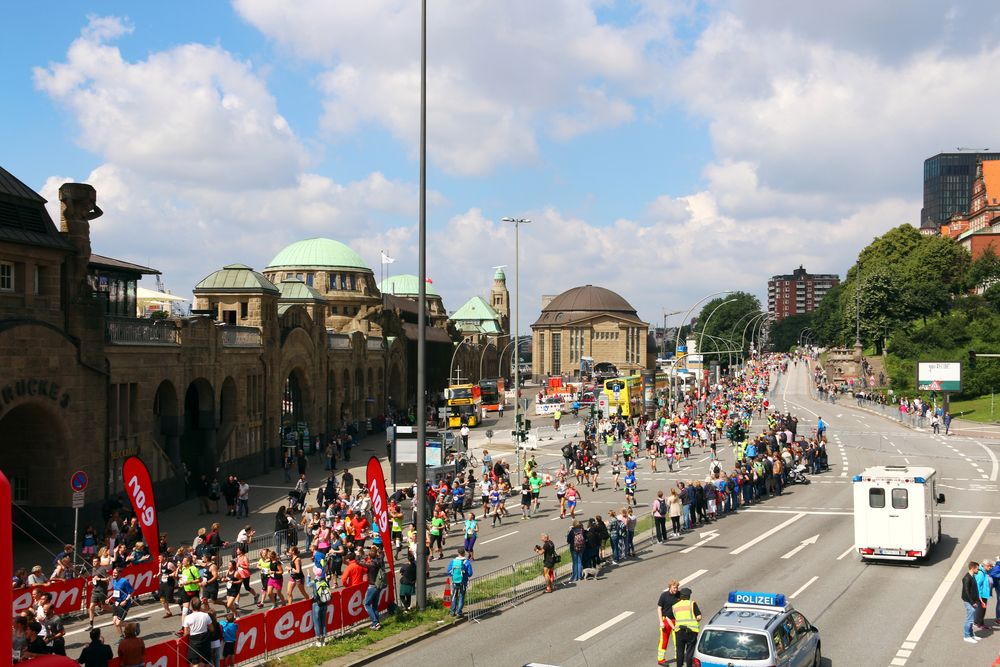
[
  {"x": 78, "y": 499},
  {"x": 79, "y": 481}
]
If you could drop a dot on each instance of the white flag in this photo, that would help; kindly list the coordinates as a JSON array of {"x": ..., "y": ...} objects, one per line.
[{"x": 386, "y": 259}]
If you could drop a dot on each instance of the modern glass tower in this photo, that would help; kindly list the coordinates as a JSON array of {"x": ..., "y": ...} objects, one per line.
[{"x": 948, "y": 181}]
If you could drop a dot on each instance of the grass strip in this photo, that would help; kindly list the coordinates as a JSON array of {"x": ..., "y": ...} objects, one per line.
[{"x": 364, "y": 637}]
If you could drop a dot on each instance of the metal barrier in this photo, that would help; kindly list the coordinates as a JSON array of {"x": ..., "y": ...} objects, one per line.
[
  {"x": 545, "y": 433},
  {"x": 509, "y": 585}
]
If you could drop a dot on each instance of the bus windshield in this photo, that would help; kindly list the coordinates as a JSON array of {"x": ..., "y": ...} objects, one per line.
[{"x": 464, "y": 392}]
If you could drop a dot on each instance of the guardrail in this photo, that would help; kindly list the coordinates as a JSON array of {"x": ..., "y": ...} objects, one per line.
[
  {"x": 135, "y": 331},
  {"x": 491, "y": 592},
  {"x": 543, "y": 433}
]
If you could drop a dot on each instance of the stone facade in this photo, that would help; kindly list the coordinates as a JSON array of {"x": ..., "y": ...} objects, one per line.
[{"x": 225, "y": 388}]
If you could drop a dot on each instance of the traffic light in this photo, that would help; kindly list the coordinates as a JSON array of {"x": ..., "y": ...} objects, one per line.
[
  {"x": 527, "y": 424},
  {"x": 972, "y": 359}
]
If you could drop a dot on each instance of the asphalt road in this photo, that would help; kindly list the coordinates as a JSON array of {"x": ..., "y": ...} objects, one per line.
[{"x": 868, "y": 613}]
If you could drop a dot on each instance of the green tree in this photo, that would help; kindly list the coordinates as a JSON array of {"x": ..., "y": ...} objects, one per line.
[
  {"x": 829, "y": 323},
  {"x": 727, "y": 318},
  {"x": 985, "y": 270},
  {"x": 786, "y": 334}
]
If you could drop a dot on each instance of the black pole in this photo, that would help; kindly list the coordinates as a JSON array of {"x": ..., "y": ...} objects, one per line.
[{"x": 421, "y": 494}]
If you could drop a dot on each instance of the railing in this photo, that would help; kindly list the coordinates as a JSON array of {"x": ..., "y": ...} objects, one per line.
[
  {"x": 509, "y": 585},
  {"x": 133, "y": 331},
  {"x": 337, "y": 341},
  {"x": 237, "y": 336}
]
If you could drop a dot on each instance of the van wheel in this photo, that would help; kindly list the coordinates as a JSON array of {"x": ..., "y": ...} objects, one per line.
[{"x": 818, "y": 658}]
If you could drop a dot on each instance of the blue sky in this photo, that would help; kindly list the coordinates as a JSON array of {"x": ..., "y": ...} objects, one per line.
[{"x": 663, "y": 149}]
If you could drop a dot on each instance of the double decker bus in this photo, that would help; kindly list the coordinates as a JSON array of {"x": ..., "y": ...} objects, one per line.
[
  {"x": 463, "y": 405},
  {"x": 625, "y": 396},
  {"x": 491, "y": 392}
]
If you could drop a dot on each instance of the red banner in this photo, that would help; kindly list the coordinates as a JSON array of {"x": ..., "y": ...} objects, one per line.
[
  {"x": 67, "y": 596},
  {"x": 380, "y": 514},
  {"x": 139, "y": 487},
  {"x": 6, "y": 560}
]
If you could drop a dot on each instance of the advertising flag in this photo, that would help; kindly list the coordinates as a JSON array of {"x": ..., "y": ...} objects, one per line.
[
  {"x": 139, "y": 487},
  {"x": 380, "y": 512}
]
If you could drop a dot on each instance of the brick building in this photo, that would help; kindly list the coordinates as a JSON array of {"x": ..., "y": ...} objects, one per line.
[
  {"x": 261, "y": 362},
  {"x": 797, "y": 293}
]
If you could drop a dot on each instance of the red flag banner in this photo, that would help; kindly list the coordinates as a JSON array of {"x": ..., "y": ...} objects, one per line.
[
  {"x": 380, "y": 514},
  {"x": 139, "y": 487}
]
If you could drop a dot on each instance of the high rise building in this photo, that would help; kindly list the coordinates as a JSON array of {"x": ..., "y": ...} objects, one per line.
[
  {"x": 948, "y": 179},
  {"x": 797, "y": 293}
]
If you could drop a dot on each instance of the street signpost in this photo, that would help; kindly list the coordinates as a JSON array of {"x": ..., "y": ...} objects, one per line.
[{"x": 78, "y": 482}]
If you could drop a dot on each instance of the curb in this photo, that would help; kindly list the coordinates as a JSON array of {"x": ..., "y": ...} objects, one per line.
[{"x": 399, "y": 646}]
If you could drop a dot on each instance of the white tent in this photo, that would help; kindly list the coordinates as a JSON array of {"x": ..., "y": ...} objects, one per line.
[{"x": 144, "y": 298}]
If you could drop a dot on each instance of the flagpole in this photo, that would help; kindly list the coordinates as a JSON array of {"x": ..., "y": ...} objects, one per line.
[{"x": 419, "y": 498}]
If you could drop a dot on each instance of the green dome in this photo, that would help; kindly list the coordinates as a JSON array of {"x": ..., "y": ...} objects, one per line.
[
  {"x": 500, "y": 275},
  {"x": 317, "y": 253},
  {"x": 235, "y": 278},
  {"x": 405, "y": 285}
]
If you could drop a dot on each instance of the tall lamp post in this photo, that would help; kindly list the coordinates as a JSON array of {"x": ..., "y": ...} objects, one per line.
[
  {"x": 663, "y": 353},
  {"x": 420, "y": 498},
  {"x": 517, "y": 332},
  {"x": 752, "y": 320},
  {"x": 708, "y": 319},
  {"x": 677, "y": 342}
]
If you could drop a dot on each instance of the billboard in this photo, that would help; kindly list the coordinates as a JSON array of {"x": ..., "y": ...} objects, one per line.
[{"x": 939, "y": 375}]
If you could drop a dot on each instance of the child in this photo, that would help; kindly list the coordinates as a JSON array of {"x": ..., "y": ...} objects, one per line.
[{"x": 230, "y": 630}]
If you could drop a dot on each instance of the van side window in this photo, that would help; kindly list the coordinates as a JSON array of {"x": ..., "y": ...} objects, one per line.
[
  {"x": 900, "y": 499},
  {"x": 876, "y": 498}
]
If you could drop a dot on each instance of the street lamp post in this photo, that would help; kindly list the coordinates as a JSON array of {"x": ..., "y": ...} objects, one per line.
[
  {"x": 517, "y": 332},
  {"x": 708, "y": 319},
  {"x": 677, "y": 341},
  {"x": 757, "y": 331},
  {"x": 517, "y": 351},
  {"x": 663, "y": 353},
  {"x": 752, "y": 320},
  {"x": 419, "y": 500}
]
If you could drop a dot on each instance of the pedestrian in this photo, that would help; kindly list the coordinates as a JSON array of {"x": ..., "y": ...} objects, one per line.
[
  {"x": 321, "y": 595},
  {"x": 687, "y": 617},
  {"x": 96, "y": 653},
  {"x": 576, "y": 538},
  {"x": 408, "y": 581},
  {"x": 471, "y": 533},
  {"x": 971, "y": 600},
  {"x": 230, "y": 631},
  {"x": 984, "y": 585},
  {"x": 665, "y": 609},
  {"x": 465, "y": 437},
  {"x": 674, "y": 510},
  {"x": 121, "y": 598},
  {"x": 243, "y": 499},
  {"x": 196, "y": 627},
  {"x": 460, "y": 570},
  {"x": 660, "y": 517},
  {"x": 376, "y": 582},
  {"x": 947, "y": 423},
  {"x": 131, "y": 649},
  {"x": 547, "y": 550}
]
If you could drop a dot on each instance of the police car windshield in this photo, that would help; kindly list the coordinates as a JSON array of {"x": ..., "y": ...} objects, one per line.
[{"x": 733, "y": 645}]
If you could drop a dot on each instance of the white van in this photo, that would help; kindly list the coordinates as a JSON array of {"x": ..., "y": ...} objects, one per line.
[{"x": 895, "y": 512}]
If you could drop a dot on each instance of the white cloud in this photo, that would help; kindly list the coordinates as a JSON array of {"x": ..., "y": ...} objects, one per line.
[
  {"x": 499, "y": 75},
  {"x": 190, "y": 114}
]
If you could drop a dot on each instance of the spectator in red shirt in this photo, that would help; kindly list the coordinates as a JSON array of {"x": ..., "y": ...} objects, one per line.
[
  {"x": 361, "y": 525},
  {"x": 354, "y": 573}
]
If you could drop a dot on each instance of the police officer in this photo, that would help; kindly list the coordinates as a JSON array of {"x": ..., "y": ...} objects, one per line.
[{"x": 686, "y": 627}]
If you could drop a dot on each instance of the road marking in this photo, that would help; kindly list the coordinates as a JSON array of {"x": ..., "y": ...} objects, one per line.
[
  {"x": 898, "y": 662},
  {"x": 909, "y": 645},
  {"x": 804, "y": 586},
  {"x": 691, "y": 577},
  {"x": 707, "y": 537},
  {"x": 760, "y": 538},
  {"x": 86, "y": 628},
  {"x": 961, "y": 561},
  {"x": 802, "y": 545},
  {"x": 850, "y": 549},
  {"x": 604, "y": 626},
  {"x": 993, "y": 459},
  {"x": 514, "y": 532}
]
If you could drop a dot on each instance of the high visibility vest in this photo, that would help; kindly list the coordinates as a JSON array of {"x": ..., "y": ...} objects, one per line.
[{"x": 684, "y": 616}]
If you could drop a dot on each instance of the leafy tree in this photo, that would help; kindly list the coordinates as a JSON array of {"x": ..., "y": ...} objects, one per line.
[
  {"x": 786, "y": 334},
  {"x": 829, "y": 323},
  {"x": 985, "y": 270},
  {"x": 729, "y": 318}
]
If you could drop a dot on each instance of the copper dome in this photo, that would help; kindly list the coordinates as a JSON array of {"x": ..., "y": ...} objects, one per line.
[{"x": 589, "y": 298}]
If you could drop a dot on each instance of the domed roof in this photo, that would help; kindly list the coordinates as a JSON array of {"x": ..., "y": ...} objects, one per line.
[
  {"x": 500, "y": 275},
  {"x": 317, "y": 253},
  {"x": 236, "y": 278},
  {"x": 405, "y": 284},
  {"x": 589, "y": 298}
]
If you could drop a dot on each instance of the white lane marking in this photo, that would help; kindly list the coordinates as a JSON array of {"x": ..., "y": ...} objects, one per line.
[
  {"x": 707, "y": 537},
  {"x": 903, "y": 653},
  {"x": 691, "y": 577},
  {"x": 804, "y": 586},
  {"x": 760, "y": 538},
  {"x": 802, "y": 545},
  {"x": 993, "y": 459},
  {"x": 850, "y": 549},
  {"x": 604, "y": 626},
  {"x": 961, "y": 561},
  {"x": 909, "y": 645},
  {"x": 86, "y": 628},
  {"x": 898, "y": 662},
  {"x": 514, "y": 532}
]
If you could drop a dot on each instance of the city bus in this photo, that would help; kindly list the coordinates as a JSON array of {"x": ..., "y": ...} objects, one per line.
[
  {"x": 463, "y": 405},
  {"x": 625, "y": 396},
  {"x": 491, "y": 392}
]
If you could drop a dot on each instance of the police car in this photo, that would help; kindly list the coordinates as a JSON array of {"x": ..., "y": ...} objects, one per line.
[{"x": 757, "y": 630}]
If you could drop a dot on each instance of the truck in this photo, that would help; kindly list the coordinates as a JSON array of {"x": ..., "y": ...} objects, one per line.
[{"x": 895, "y": 512}]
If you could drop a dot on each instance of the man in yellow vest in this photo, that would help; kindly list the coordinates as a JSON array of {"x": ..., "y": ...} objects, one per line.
[{"x": 686, "y": 627}]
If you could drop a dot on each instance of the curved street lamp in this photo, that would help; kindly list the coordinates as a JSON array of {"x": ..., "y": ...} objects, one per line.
[
  {"x": 709, "y": 319},
  {"x": 743, "y": 337},
  {"x": 482, "y": 356},
  {"x": 465, "y": 339},
  {"x": 520, "y": 343},
  {"x": 677, "y": 341}
]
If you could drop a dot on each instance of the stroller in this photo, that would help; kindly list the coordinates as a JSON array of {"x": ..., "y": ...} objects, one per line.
[{"x": 296, "y": 500}]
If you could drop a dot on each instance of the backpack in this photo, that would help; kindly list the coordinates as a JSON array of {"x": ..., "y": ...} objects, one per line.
[
  {"x": 579, "y": 541},
  {"x": 380, "y": 577},
  {"x": 457, "y": 571},
  {"x": 322, "y": 591}
]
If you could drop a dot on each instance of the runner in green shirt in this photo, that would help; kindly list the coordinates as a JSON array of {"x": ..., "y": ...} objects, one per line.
[
  {"x": 437, "y": 535},
  {"x": 536, "y": 490}
]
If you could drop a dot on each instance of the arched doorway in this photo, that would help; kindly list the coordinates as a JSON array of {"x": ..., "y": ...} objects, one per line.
[
  {"x": 33, "y": 456},
  {"x": 294, "y": 405},
  {"x": 198, "y": 454},
  {"x": 227, "y": 416},
  {"x": 167, "y": 421}
]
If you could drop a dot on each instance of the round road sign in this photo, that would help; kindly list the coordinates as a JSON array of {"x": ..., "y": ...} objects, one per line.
[{"x": 79, "y": 480}]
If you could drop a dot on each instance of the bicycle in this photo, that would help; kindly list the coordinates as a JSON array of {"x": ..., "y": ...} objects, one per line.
[{"x": 466, "y": 459}]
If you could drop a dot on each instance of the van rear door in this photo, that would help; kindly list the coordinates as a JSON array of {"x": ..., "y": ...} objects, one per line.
[
  {"x": 877, "y": 533},
  {"x": 901, "y": 528}
]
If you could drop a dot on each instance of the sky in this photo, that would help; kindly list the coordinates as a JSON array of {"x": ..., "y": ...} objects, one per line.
[{"x": 662, "y": 149}]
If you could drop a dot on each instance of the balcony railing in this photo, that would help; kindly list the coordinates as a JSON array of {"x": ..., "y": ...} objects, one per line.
[
  {"x": 337, "y": 341},
  {"x": 237, "y": 336},
  {"x": 133, "y": 331}
]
